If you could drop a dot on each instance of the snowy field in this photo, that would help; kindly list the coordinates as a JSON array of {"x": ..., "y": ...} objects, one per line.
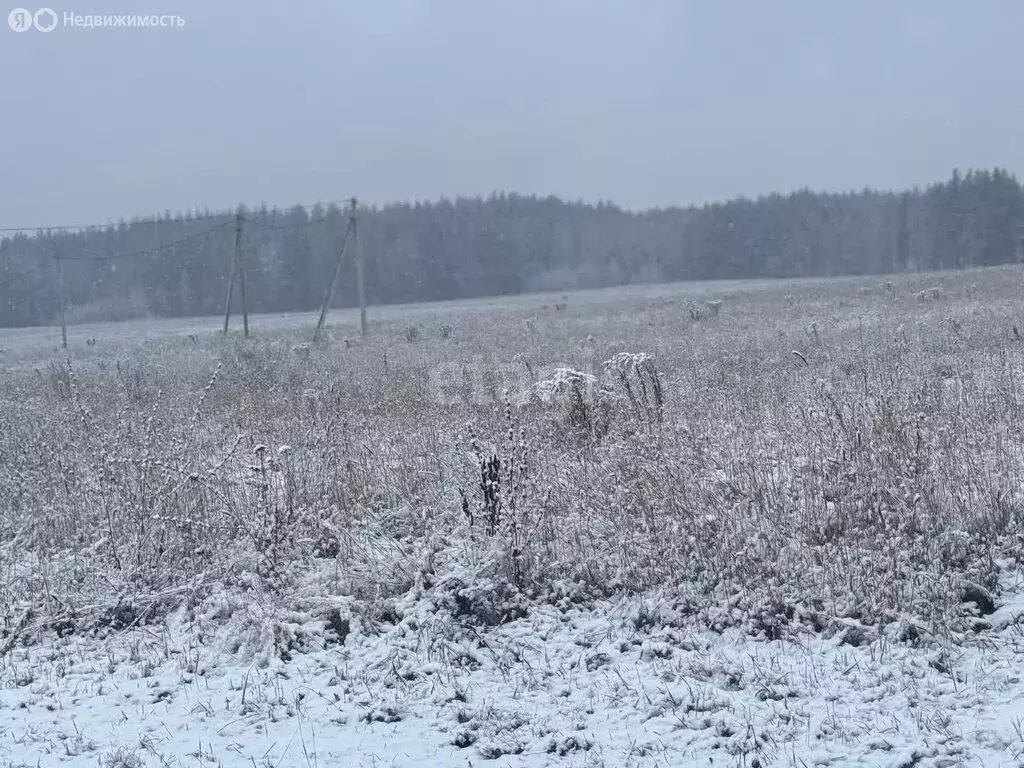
[
  {"x": 14, "y": 342},
  {"x": 592, "y": 687},
  {"x": 732, "y": 524}
]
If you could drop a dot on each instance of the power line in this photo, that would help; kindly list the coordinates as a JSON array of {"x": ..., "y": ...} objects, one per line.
[
  {"x": 287, "y": 227},
  {"x": 333, "y": 211},
  {"x": 260, "y": 218},
  {"x": 162, "y": 246},
  {"x": 107, "y": 225},
  {"x": 145, "y": 251},
  {"x": 335, "y": 204},
  {"x": 55, "y": 228}
]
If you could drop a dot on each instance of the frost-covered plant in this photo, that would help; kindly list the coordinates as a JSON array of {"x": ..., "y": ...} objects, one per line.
[
  {"x": 637, "y": 378},
  {"x": 507, "y": 505},
  {"x": 582, "y": 403}
]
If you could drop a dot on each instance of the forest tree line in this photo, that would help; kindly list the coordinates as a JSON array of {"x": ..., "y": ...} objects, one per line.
[{"x": 178, "y": 265}]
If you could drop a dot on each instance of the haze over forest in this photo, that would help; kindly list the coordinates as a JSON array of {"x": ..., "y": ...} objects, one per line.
[{"x": 178, "y": 265}]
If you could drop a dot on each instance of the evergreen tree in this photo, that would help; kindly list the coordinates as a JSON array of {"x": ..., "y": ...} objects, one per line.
[{"x": 178, "y": 265}]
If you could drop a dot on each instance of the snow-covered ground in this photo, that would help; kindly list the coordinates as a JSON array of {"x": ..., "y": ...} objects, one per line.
[
  {"x": 617, "y": 684},
  {"x": 876, "y": 473}
]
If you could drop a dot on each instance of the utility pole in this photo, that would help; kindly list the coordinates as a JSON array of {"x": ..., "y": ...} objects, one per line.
[
  {"x": 353, "y": 217},
  {"x": 334, "y": 279},
  {"x": 236, "y": 266},
  {"x": 241, "y": 273},
  {"x": 231, "y": 278},
  {"x": 902, "y": 260},
  {"x": 60, "y": 298}
]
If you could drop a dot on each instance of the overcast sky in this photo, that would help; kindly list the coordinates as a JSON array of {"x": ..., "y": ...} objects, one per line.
[{"x": 642, "y": 102}]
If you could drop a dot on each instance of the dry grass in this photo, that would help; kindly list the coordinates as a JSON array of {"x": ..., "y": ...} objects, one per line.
[{"x": 823, "y": 454}]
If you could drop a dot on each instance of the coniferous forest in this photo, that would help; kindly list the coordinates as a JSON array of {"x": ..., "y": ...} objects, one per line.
[{"x": 178, "y": 263}]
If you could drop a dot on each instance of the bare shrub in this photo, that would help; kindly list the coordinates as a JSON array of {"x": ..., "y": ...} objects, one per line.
[{"x": 933, "y": 293}]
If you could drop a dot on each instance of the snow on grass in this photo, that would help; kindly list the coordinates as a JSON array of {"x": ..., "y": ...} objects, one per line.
[
  {"x": 240, "y": 685},
  {"x": 692, "y": 547}
]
